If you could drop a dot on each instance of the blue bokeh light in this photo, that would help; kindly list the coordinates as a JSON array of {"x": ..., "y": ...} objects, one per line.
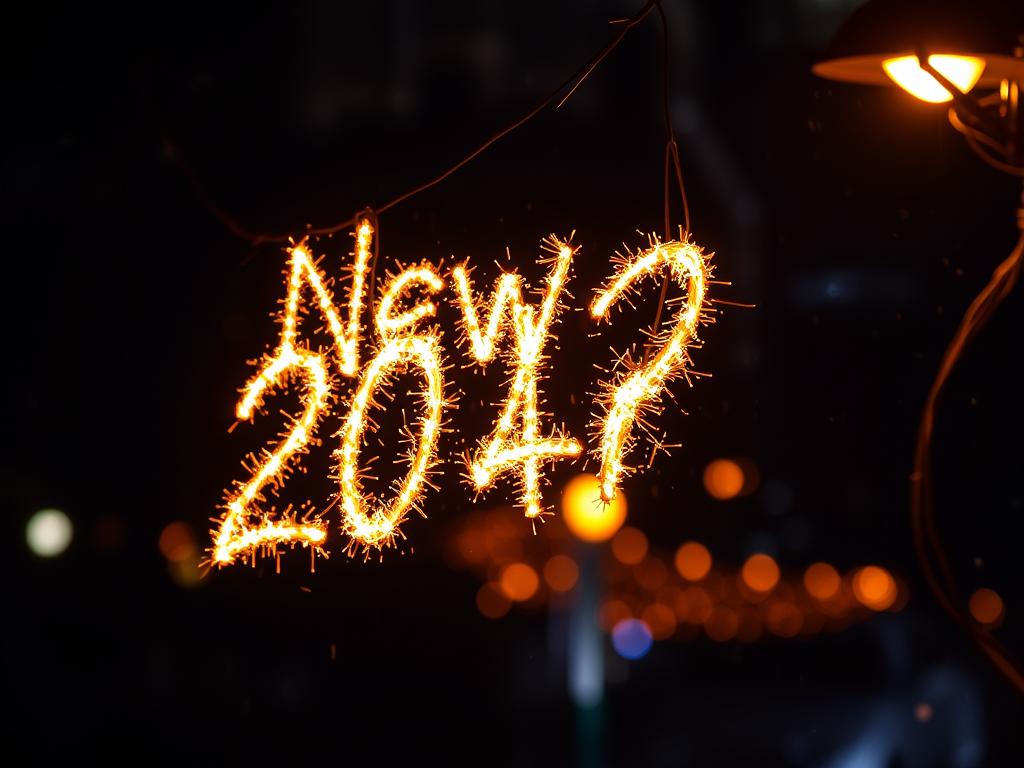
[{"x": 631, "y": 639}]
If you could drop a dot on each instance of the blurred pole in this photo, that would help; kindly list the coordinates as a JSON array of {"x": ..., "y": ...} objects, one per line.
[{"x": 586, "y": 660}]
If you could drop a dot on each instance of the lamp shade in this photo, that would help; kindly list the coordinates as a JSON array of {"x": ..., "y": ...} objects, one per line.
[{"x": 882, "y": 30}]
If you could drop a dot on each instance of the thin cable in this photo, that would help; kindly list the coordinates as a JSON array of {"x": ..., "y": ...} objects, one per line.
[
  {"x": 927, "y": 542},
  {"x": 573, "y": 83},
  {"x": 671, "y": 159}
]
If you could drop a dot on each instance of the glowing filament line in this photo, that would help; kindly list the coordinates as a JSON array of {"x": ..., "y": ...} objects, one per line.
[
  {"x": 378, "y": 528},
  {"x": 348, "y": 344},
  {"x": 235, "y": 534},
  {"x": 506, "y": 292},
  {"x": 639, "y": 387},
  {"x": 388, "y": 324},
  {"x": 506, "y": 448}
]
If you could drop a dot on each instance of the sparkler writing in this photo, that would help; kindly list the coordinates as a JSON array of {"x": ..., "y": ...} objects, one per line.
[{"x": 515, "y": 445}]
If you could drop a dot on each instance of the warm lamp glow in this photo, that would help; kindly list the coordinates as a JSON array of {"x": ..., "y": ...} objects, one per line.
[
  {"x": 723, "y": 479},
  {"x": 693, "y": 561},
  {"x": 822, "y": 581},
  {"x": 760, "y": 572},
  {"x": 519, "y": 582},
  {"x": 986, "y": 606},
  {"x": 629, "y": 546},
  {"x": 961, "y": 71},
  {"x": 587, "y": 516},
  {"x": 875, "y": 588}
]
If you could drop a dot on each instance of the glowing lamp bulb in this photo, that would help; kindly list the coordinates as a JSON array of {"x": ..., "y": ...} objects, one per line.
[
  {"x": 961, "y": 71},
  {"x": 587, "y": 516}
]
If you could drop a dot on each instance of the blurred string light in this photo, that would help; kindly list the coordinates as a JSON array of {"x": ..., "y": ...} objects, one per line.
[
  {"x": 760, "y": 573},
  {"x": 875, "y": 587},
  {"x": 48, "y": 532},
  {"x": 822, "y": 581},
  {"x": 723, "y": 479},
  {"x": 586, "y": 514},
  {"x": 634, "y": 394},
  {"x": 508, "y": 448},
  {"x": 561, "y": 573},
  {"x": 629, "y": 546},
  {"x": 748, "y": 604},
  {"x": 519, "y": 582},
  {"x": 491, "y": 602},
  {"x": 986, "y": 606},
  {"x": 632, "y": 639},
  {"x": 693, "y": 561},
  {"x": 177, "y": 543}
]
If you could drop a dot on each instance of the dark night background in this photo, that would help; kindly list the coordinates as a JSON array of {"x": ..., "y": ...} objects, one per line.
[{"x": 854, "y": 218}]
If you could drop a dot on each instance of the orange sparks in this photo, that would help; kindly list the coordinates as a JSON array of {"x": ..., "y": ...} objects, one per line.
[
  {"x": 237, "y": 533},
  {"x": 636, "y": 390},
  {"x": 348, "y": 343},
  {"x": 508, "y": 448},
  {"x": 388, "y": 323},
  {"x": 506, "y": 293},
  {"x": 516, "y": 445},
  {"x": 378, "y": 527}
]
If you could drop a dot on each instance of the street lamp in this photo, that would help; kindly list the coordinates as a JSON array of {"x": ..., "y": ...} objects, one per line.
[{"x": 948, "y": 52}]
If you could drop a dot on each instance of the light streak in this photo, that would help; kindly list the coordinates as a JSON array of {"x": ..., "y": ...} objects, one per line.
[
  {"x": 236, "y": 532},
  {"x": 348, "y": 344},
  {"x": 506, "y": 293},
  {"x": 377, "y": 528},
  {"x": 388, "y": 324},
  {"x": 636, "y": 390},
  {"x": 508, "y": 448}
]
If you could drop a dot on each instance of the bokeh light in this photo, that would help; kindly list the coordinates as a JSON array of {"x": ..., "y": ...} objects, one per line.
[
  {"x": 589, "y": 518},
  {"x": 612, "y": 612},
  {"x": 874, "y": 587},
  {"x": 629, "y": 546},
  {"x": 177, "y": 543},
  {"x": 698, "y": 603},
  {"x": 693, "y": 561},
  {"x": 632, "y": 639},
  {"x": 783, "y": 618},
  {"x": 660, "y": 619},
  {"x": 561, "y": 573},
  {"x": 519, "y": 582},
  {"x": 651, "y": 574},
  {"x": 822, "y": 581},
  {"x": 186, "y": 573},
  {"x": 721, "y": 624},
  {"x": 760, "y": 573},
  {"x": 49, "y": 532},
  {"x": 491, "y": 602},
  {"x": 723, "y": 479},
  {"x": 986, "y": 606}
]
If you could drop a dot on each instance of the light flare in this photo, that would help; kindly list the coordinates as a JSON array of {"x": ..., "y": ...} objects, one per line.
[{"x": 636, "y": 390}]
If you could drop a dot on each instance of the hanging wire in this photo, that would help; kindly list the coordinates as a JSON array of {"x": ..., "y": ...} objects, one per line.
[
  {"x": 671, "y": 160},
  {"x": 978, "y": 141},
  {"x": 930, "y": 551},
  {"x": 572, "y": 83}
]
